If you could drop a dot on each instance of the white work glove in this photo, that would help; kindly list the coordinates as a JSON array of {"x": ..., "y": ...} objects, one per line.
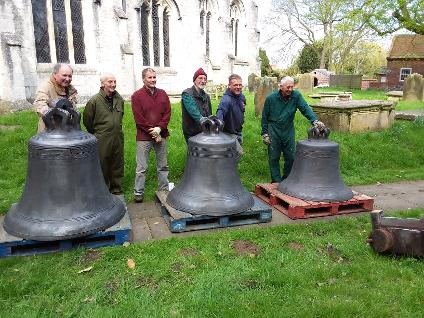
[
  {"x": 318, "y": 125},
  {"x": 266, "y": 139},
  {"x": 155, "y": 132},
  {"x": 44, "y": 110}
]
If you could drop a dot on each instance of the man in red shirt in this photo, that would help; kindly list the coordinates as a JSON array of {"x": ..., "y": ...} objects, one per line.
[{"x": 152, "y": 111}]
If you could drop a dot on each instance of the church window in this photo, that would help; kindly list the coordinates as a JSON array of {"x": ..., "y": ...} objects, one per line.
[
  {"x": 60, "y": 34},
  {"x": 155, "y": 32},
  {"x": 67, "y": 39},
  {"x": 235, "y": 37},
  {"x": 165, "y": 38},
  {"x": 155, "y": 22},
  {"x": 144, "y": 12},
  {"x": 78, "y": 32},
  {"x": 202, "y": 21},
  {"x": 208, "y": 19},
  {"x": 41, "y": 35},
  {"x": 234, "y": 15}
]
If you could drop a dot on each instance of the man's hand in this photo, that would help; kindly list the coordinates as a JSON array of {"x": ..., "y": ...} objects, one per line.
[
  {"x": 158, "y": 139},
  {"x": 318, "y": 125},
  {"x": 154, "y": 132},
  {"x": 44, "y": 110},
  {"x": 266, "y": 139}
]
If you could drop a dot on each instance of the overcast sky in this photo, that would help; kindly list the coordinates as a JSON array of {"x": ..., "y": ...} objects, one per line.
[{"x": 264, "y": 7}]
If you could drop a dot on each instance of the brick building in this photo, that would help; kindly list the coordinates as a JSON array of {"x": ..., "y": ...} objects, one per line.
[{"x": 406, "y": 56}]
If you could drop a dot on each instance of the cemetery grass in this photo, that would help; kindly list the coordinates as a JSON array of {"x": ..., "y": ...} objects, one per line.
[
  {"x": 317, "y": 269},
  {"x": 389, "y": 155},
  {"x": 371, "y": 94}
]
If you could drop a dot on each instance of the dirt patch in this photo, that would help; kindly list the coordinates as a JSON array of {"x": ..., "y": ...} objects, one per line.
[
  {"x": 147, "y": 282},
  {"x": 250, "y": 284},
  {"x": 9, "y": 127},
  {"x": 176, "y": 267},
  {"x": 334, "y": 254},
  {"x": 244, "y": 247},
  {"x": 188, "y": 251},
  {"x": 112, "y": 286},
  {"x": 296, "y": 246},
  {"x": 90, "y": 256}
]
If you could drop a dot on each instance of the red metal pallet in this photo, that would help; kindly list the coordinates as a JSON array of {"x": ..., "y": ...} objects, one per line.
[{"x": 296, "y": 208}]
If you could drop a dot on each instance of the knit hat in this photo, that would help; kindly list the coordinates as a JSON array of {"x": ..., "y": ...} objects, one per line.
[{"x": 200, "y": 71}]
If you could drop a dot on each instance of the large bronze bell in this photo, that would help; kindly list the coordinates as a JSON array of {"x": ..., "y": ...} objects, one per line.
[
  {"x": 65, "y": 195},
  {"x": 211, "y": 183},
  {"x": 315, "y": 175}
]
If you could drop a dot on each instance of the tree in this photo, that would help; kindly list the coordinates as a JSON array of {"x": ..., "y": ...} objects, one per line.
[
  {"x": 333, "y": 22},
  {"x": 388, "y": 16},
  {"x": 266, "y": 69},
  {"x": 309, "y": 58},
  {"x": 366, "y": 58}
]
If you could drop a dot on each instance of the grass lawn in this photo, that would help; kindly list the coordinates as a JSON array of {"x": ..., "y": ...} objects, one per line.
[{"x": 320, "y": 269}]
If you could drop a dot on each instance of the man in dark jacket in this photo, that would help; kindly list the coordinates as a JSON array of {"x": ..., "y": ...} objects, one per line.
[
  {"x": 103, "y": 118},
  {"x": 231, "y": 110},
  {"x": 152, "y": 112},
  {"x": 278, "y": 128},
  {"x": 195, "y": 104}
]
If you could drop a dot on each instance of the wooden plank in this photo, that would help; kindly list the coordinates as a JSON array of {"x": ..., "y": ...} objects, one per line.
[{"x": 183, "y": 222}]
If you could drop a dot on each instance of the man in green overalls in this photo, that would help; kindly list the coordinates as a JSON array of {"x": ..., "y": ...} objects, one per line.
[
  {"x": 278, "y": 126},
  {"x": 103, "y": 118}
]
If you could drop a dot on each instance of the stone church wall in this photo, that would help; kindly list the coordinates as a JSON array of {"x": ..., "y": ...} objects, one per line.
[{"x": 113, "y": 43}]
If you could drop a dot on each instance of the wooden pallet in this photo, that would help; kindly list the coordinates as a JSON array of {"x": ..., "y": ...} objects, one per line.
[
  {"x": 296, "y": 208},
  {"x": 179, "y": 221},
  {"x": 115, "y": 235}
]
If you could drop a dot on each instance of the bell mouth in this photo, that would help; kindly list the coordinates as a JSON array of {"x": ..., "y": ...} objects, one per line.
[{"x": 19, "y": 224}]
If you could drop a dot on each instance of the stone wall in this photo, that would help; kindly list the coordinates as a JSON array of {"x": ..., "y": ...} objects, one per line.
[
  {"x": 393, "y": 71},
  {"x": 112, "y": 39}
]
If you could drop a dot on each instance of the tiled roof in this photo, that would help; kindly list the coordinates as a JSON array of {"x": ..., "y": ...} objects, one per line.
[{"x": 407, "y": 46}]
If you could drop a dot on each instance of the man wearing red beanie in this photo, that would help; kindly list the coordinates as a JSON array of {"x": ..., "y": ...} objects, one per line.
[{"x": 195, "y": 104}]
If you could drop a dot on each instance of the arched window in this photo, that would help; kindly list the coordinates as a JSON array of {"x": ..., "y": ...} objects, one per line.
[
  {"x": 41, "y": 34},
  {"x": 60, "y": 34},
  {"x": 202, "y": 21},
  {"x": 144, "y": 24},
  {"x": 165, "y": 29},
  {"x": 155, "y": 31},
  {"x": 234, "y": 15},
  {"x": 235, "y": 37},
  {"x": 208, "y": 19},
  {"x": 57, "y": 12},
  {"x": 155, "y": 23},
  {"x": 78, "y": 32}
]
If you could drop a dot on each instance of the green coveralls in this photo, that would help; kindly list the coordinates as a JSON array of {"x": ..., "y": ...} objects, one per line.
[
  {"x": 103, "y": 119},
  {"x": 277, "y": 121}
]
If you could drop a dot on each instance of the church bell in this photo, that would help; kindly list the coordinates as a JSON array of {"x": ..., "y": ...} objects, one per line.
[
  {"x": 315, "y": 175},
  {"x": 65, "y": 195},
  {"x": 211, "y": 183}
]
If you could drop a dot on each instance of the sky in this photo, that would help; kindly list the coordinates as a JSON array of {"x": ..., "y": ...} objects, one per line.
[{"x": 264, "y": 7}]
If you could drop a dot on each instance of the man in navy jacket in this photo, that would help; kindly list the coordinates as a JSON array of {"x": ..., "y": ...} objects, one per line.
[{"x": 231, "y": 110}]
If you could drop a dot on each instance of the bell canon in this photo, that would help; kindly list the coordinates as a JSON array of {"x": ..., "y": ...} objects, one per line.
[
  {"x": 65, "y": 195},
  {"x": 315, "y": 175},
  {"x": 211, "y": 183}
]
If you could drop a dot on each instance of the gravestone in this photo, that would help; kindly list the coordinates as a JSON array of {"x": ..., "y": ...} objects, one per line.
[
  {"x": 265, "y": 85},
  {"x": 413, "y": 88},
  {"x": 252, "y": 82},
  {"x": 306, "y": 83}
]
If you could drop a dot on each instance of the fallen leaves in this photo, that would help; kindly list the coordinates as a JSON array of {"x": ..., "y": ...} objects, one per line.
[
  {"x": 130, "y": 263},
  {"x": 85, "y": 270}
]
